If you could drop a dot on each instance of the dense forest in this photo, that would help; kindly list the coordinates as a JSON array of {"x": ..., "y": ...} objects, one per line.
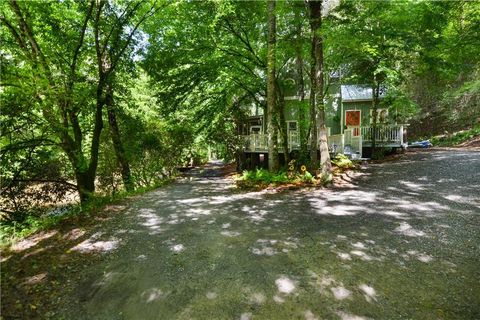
[{"x": 101, "y": 98}]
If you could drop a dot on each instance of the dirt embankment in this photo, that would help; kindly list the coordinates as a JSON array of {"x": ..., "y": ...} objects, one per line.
[{"x": 471, "y": 143}]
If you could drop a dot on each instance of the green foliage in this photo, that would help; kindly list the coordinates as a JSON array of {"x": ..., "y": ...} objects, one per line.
[
  {"x": 456, "y": 138},
  {"x": 54, "y": 89},
  {"x": 425, "y": 53},
  {"x": 34, "y": 221},
  {"x": 401, "y": 106},
  {"x": 343, "y": 162},
  {"x": 260, "y": 178},
  {"x": 307, "y": 177},
  {"x": 264, "y": 176},
  {"x": 443, "y": 75},
  {"x": 49, "y": 217}
]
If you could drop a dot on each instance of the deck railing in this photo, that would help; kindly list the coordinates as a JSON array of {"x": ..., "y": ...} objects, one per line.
[
  {"x": 352, "y": 140},
  {"x": 336, "y": 143},
  {"x": 256, "y": 142},
  {"x": 383, "y": 133},
  {"x": 259, "y": 141},
  {"x": 293, "y": 140}
]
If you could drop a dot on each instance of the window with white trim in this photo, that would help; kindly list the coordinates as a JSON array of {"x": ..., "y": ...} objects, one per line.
[
  {"x": 292, "y": 125},
  {"x": 382, "y": 115}
]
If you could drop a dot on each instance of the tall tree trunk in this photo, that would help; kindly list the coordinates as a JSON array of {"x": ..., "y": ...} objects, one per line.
[
  {"x": 273, "y": 163},
  {"x": 302, "y": 125},
  {"x": 85, "y": 182},
  {"x": 317, "y": 41},
  {"x": 313, "y": 121},
  {"x": 85, "y": 186},
  {"x": 375, "y": 96},
  {"x": 282, "y": 123},
  {"x": 313, "y": 110},
  {"x": 86, "y": 171},
  {"x": 117, "y": 141}
]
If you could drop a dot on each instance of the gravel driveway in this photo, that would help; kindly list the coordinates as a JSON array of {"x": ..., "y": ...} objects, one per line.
[{"x": 402, "y": 243}]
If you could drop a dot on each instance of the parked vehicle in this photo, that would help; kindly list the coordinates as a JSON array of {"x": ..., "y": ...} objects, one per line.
[{"x": 420, "y": 144}]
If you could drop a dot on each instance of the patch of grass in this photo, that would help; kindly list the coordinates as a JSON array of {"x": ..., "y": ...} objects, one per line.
[
  {"x": 42, "y": 219},
  {"x": 455, "y": 138}
]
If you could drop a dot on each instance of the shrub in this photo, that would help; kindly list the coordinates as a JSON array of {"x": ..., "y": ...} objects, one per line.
[
  {"x": 307, "y": 177},
  {"x": 259, "y": 178},
  {"x": 342, "y": 162}
]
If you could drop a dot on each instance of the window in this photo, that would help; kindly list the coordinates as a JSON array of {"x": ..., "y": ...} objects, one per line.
[
  {"x": 292, "y": 125},
  {"x": 255, "y": 129},
  {"x": 382, "y": 116}
]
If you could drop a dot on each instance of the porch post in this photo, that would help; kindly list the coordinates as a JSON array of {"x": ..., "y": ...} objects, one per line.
[
  {"x": 341, "y": 111},
  {"x": 401, "y": 135}
]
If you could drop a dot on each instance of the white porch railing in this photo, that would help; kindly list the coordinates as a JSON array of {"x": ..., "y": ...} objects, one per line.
[
  {"x": 337, "y": 143},
  {"x": 293, "y": 140},
  {"x": 353, "y": 143},
  {"x": 256, "y": 142},
  {"x": 388, "y": 134},
  {"x": 259, "y": 142}
]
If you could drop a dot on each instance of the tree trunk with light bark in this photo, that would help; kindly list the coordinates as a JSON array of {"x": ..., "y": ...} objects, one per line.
[
  {"x": 317, "y": 43},
  {"x": 272, "y": 118}
]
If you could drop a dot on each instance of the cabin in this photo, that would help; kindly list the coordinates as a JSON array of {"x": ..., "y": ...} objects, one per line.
[{"x": 349, "y": 119}]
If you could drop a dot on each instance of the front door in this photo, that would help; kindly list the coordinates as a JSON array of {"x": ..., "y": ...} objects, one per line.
[{"x": 353, "y": 121}]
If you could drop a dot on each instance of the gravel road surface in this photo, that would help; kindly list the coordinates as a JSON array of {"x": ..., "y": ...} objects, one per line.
[{"x": 403, "y": 242}]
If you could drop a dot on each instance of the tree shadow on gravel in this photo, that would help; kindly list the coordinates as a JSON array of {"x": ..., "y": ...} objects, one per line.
[{"x": 399, "y": 242}]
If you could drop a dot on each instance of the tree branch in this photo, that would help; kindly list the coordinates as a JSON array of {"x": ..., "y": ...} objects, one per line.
[
  {"x": 119, "y": 18},
  {"x": 36, "y": 50},
  {"x": 76, "y": 52},
  {"x": 15, "y": 34},
  {"x": 147, "y": 15},
  {"x": 245, "y": 41}
]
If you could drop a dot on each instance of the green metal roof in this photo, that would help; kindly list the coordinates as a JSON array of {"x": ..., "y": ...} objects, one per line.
[{"x": 353, "y": 92}]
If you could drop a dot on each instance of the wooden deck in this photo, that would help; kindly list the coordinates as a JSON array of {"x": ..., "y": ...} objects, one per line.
[{"x": 350, "y": 142}]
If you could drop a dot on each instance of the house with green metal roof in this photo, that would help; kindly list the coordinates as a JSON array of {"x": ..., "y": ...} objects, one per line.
[{"x": 349, "y": 119}]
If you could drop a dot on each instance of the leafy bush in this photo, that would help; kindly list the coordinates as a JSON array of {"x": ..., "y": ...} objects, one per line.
[
  {"x": 342, "y": 162},
  {"x": 307, "y": 177}
]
